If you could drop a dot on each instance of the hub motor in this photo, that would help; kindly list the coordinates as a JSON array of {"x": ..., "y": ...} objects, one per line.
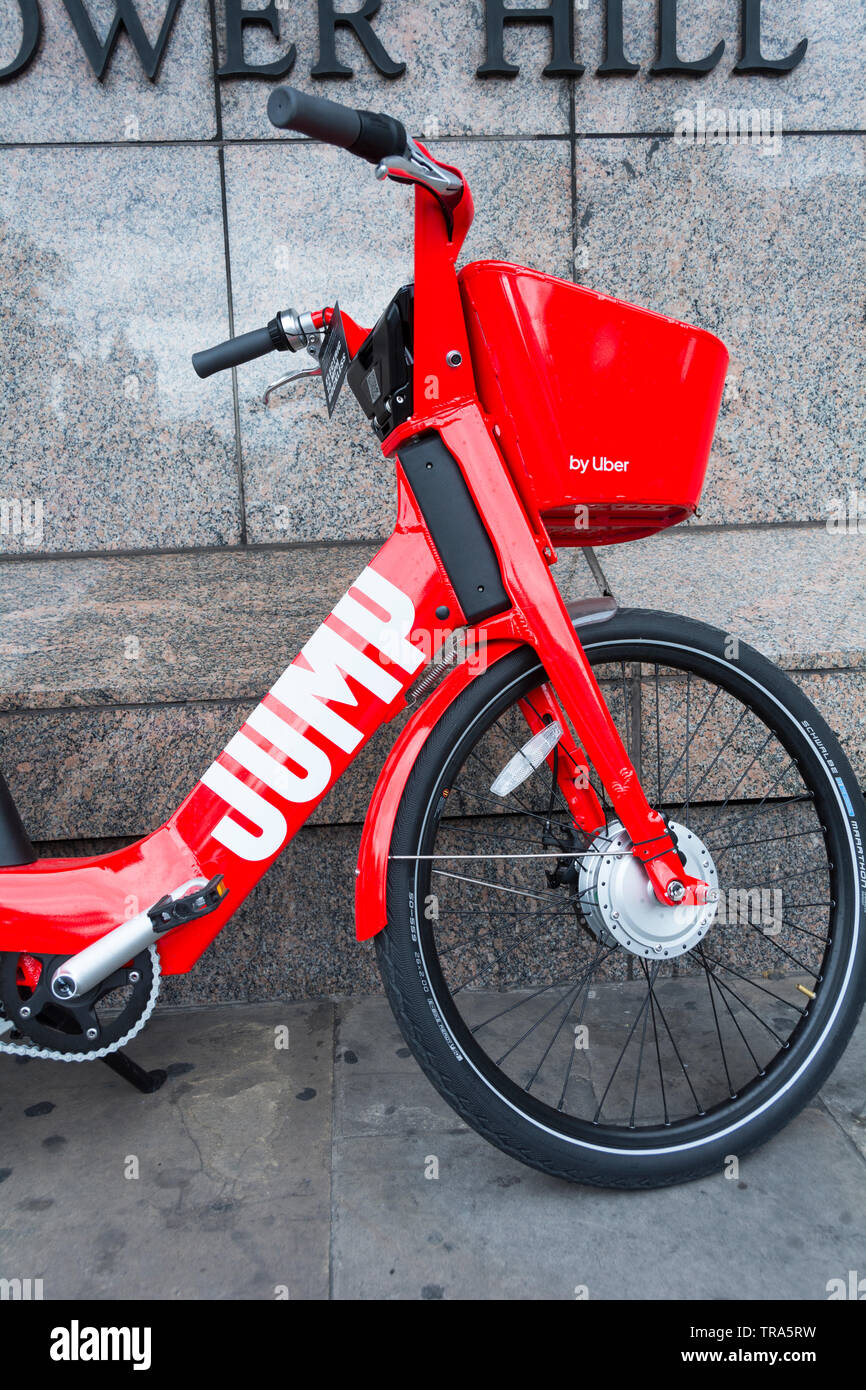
[{"x": 618, "y": 901}]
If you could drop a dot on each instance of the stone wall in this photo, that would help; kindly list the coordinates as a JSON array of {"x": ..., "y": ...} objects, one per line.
[{"x": 190, "y": 539}]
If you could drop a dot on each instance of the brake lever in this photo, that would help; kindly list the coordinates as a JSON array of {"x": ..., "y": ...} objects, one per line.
[
  {"x": 286, "y": 380},
  {"x": 417, "y": 167}
]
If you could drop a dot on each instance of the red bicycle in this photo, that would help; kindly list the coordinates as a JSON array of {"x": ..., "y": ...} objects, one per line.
[{"x": 614, "y": 862}]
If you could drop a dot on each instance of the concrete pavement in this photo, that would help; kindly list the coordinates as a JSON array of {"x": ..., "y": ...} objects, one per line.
[{"x": 288, "y": 1156}]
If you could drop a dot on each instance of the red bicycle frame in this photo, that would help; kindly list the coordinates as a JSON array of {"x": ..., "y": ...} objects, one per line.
[{"x": 353, "y": 675}]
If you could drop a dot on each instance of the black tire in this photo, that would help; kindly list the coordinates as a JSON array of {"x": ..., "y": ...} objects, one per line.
[{"x": 431, "y": 1022}]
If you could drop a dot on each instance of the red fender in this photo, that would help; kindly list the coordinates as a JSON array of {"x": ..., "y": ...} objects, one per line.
[{"x": 372, "y": 871}]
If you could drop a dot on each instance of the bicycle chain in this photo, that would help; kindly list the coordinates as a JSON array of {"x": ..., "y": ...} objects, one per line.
[{"x": 52, "y": 1055}]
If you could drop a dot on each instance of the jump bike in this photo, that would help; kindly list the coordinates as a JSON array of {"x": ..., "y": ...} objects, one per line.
[{"x": 613, "y": 864}]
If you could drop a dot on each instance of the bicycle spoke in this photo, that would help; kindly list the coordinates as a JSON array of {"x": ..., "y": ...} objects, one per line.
[
  {"x": 487, "y": 834},
  {"x": 638, "y": 1016},
  {"x": 729, "y": 989},
  {"x": 494, "y": 801},
  {"x": 688, "y": 740},
  {"x": 683, "y": 1067},
  {"x": 534, "y": 994},
  {"x": 695, "y": 732},
  {"x": 482, "y": 935},
  {"x": 659, "y": 1061},
  {"x": 775, "y": 882},
  {"x": 749, "y": 817},
  {"x": 531, "y": 1029},
  {"x": 582, "y": 982},
  {"x": 719, "y": 1031},
  {"x": 658, "y": 743},
  {"x": 589, "y": 975},
  {"x": 711, "y": 977},
  {"x": 526, "y": 974},
  {"x": 531, "y": 1082},
  {"x": 792, "y": 926},
  {"x": 744, "y": 774},
  {"x": 638, "y": 1070},
  {"x": 767, "y": 840},
  {"x": 808, "y": 969},
  {"x": 500, "y": 887},
  {"x": 707, "y": 770},
  {"x": 778, "y": 998}
]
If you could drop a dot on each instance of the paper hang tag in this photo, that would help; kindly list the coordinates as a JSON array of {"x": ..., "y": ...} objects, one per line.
[{"x": 334, "y": 360}]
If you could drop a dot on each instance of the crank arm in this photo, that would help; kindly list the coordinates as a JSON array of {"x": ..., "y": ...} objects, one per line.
[{"x": 101, "y": 958}]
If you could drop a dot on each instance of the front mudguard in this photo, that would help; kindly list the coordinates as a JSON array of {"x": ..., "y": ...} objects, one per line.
[{"x": 372, "y": 871}]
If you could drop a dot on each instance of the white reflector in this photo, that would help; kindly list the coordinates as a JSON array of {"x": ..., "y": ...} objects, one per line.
[{"x": 531, "y": 756}]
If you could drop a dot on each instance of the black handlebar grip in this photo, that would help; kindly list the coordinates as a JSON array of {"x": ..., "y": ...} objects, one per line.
[
  {"x": 234, "y": 352},
  {"x": 366, "y": 134},
  {"x": 289, "y": 109},
  {"x": 380, "y": 137}
]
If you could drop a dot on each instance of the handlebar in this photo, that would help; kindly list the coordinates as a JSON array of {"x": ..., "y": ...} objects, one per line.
[
  {"x": 289, "y": 331},
  {"x": 380, "y": 140},
  {"x": 234, "y": 352},
  {"x": 367, "y": 134}
]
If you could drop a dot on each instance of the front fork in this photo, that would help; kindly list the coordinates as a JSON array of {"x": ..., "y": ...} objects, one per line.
[
  {"x": 568, "y": 762},
  {"x": 539, "y": 617}
]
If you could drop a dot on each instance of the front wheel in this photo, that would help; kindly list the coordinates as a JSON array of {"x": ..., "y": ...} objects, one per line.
[{"x": 525, "y": 963}]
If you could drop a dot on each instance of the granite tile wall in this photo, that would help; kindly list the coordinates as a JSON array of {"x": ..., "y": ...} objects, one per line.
[{"x": 174, "y": 542}]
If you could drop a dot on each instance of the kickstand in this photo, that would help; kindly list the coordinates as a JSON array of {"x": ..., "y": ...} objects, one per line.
[{"x": 145, "y": 1081}]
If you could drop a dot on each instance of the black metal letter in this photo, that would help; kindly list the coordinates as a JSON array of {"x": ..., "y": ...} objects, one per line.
[
  {"x": 668, "y": 64},
  {"x": 236, "y": 65},
  {"x": 558, "y": 14},
  {"x": 359, "y": 22},
  {"x": 751, "y": 59},
  {"x": 32, "y": 26},
  {"x": 615, "y": 61},
  {"x": 125, "y": 17}
]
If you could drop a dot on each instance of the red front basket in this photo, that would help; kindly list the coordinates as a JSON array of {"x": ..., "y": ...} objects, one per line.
[{"x": 605, "y": 412}]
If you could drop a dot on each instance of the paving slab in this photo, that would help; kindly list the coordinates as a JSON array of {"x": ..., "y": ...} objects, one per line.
[
  {"x": 216, "y": 1187},
  {"x": 845, "y": 1093},
  {"x": 489, "y": 1228},
  {"x": 307, "y": 1172}
]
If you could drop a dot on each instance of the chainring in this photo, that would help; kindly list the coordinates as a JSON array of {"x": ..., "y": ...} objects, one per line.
[{"x": 100, "y": 1021}]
